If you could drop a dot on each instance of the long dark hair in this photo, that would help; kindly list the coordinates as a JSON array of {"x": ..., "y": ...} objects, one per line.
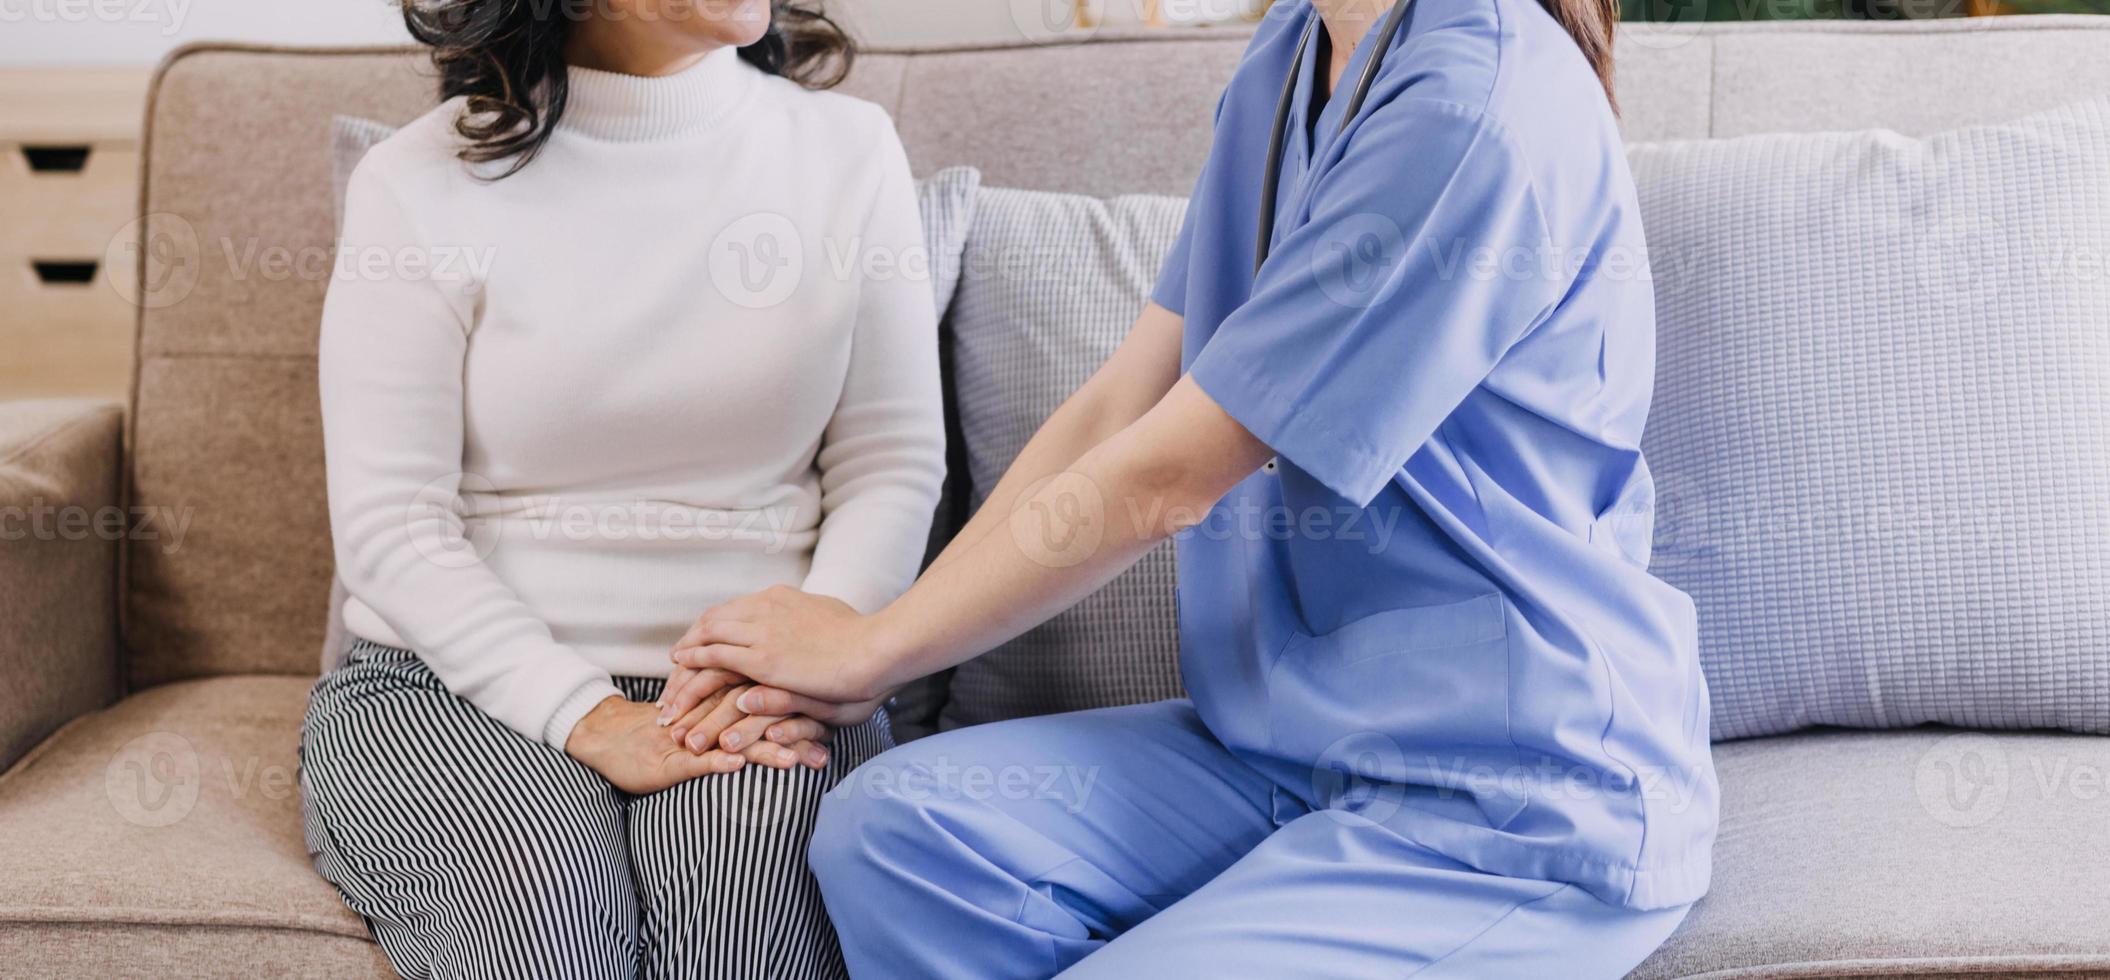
[
  {"x": 507, "y": 58},
  {"x": 1591, "y": 23}
]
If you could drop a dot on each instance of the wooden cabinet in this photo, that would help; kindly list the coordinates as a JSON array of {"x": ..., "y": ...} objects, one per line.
[{"x": 69, "y": 186}]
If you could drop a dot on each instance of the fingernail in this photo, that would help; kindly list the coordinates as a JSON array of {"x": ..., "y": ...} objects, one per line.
[
  {"x": 749, "y": 703},
  {"x": 817, "y": 757},
  {"x": 676, "y": 734},
  {"x": 665, "y": 717},
  {"x": 774, "y": 736},
  {"x": 732, "y": 740},
  {"x": 695, "y": 743}
]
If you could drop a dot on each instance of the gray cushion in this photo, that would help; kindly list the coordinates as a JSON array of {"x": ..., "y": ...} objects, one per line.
[
  {"x": 1923, "y": 852},
  {"x": 945, "y": 198},
  {"x": 1054, "y": 281},
  {"x": 1878, "y": 437}
]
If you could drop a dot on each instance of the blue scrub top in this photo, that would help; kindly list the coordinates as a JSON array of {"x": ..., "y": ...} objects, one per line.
[{"x": 1434, "y": 608}]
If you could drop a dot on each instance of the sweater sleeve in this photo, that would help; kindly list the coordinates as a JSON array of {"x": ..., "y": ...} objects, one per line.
[
  {"x": 882, "y": 457},
  {"x": 394, "y": 336}
]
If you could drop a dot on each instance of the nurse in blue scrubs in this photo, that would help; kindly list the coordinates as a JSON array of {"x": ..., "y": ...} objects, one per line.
[{"x": 1474, "y": 745}]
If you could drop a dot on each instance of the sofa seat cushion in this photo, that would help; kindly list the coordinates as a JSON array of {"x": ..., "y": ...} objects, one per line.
[
  {"x": 1926, "y": 852},
  {"x": 162, "y": 836}
]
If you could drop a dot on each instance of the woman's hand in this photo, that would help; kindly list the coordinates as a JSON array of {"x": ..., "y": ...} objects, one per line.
[
  {"x": 623, "y": 742},
  {"x": 702, "y": 723},
  {"x": 810, "y": 654}
]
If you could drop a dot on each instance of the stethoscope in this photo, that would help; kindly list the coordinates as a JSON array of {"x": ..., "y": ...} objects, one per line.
[{"x": 1315, "y": 45}]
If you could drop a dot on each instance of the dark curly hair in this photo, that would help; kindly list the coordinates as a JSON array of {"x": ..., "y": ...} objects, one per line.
[{"x": 507, "y": 58}]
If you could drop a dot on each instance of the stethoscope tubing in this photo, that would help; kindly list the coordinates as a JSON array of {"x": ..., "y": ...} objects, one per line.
[{"x": 1272, "y": 180}]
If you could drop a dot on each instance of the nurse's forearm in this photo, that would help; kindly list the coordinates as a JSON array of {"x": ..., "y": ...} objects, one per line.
[
  {"x": 1069, "y": 535},
  {"x": 1142, "y": 369}
]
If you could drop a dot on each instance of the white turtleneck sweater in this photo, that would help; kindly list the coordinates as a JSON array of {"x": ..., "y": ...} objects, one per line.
[{"x": 687, "y": 353}]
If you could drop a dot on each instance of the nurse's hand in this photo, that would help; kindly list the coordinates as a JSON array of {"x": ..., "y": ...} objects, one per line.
[{"x": 809, "y": 655}]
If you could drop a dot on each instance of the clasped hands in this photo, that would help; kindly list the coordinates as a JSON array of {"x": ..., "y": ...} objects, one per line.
[{"x": 765, "y": 678}]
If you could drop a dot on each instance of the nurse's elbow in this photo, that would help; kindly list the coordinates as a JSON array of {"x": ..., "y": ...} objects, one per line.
[
  {"x": 1167, "y": 471},
  {"x": 1164, "y": 494}
]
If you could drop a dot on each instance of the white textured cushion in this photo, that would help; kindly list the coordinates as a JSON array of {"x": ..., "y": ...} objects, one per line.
[
  {"x": 1053, "y": 283},
  {"x": 1882, "y": 422}
]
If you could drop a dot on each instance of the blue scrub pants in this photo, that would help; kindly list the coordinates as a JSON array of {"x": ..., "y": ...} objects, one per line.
[{"x": 1129, "y": 842}]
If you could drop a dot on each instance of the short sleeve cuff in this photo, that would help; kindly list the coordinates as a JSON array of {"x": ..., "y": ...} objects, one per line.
[
  {"x": 1295, "y": 429},
  {"x": 1172, "y": 295},
  {"x": 574, "y": 707}
]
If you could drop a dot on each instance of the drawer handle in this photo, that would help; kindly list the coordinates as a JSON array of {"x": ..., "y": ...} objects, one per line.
[
  {"x": 64, "y": 273},
  {"x": 57, "y": 159}
]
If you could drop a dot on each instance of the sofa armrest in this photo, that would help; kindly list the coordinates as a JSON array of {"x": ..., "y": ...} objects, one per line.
[{"x": 61, "y": 522}]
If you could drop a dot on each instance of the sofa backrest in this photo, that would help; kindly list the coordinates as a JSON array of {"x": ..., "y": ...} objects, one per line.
[{"x": 226, "y": 449}]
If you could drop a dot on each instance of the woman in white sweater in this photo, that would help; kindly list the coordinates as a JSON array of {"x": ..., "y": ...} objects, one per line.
[{"x": 611, "y": 348}]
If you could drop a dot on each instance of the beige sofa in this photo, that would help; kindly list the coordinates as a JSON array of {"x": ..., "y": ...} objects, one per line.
[{"x": 155, "y": 666}]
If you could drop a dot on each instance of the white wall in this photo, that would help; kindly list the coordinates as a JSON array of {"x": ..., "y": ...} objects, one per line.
[
  {"x": 133, "y": 32},
  {"x": 129, "y": 32}
]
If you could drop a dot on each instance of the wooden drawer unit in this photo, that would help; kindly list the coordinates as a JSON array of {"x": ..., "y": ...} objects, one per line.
[{"x": 69, "y": 186}]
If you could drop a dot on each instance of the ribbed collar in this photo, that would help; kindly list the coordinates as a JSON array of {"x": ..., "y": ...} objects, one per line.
[{"x": 634, "y": 108}]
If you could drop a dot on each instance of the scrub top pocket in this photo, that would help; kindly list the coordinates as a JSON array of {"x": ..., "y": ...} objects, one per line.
[{"x": 1415, "y": 697}]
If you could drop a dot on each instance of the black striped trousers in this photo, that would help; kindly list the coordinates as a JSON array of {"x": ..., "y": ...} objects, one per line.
[{"x": 475, "y": 852}]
